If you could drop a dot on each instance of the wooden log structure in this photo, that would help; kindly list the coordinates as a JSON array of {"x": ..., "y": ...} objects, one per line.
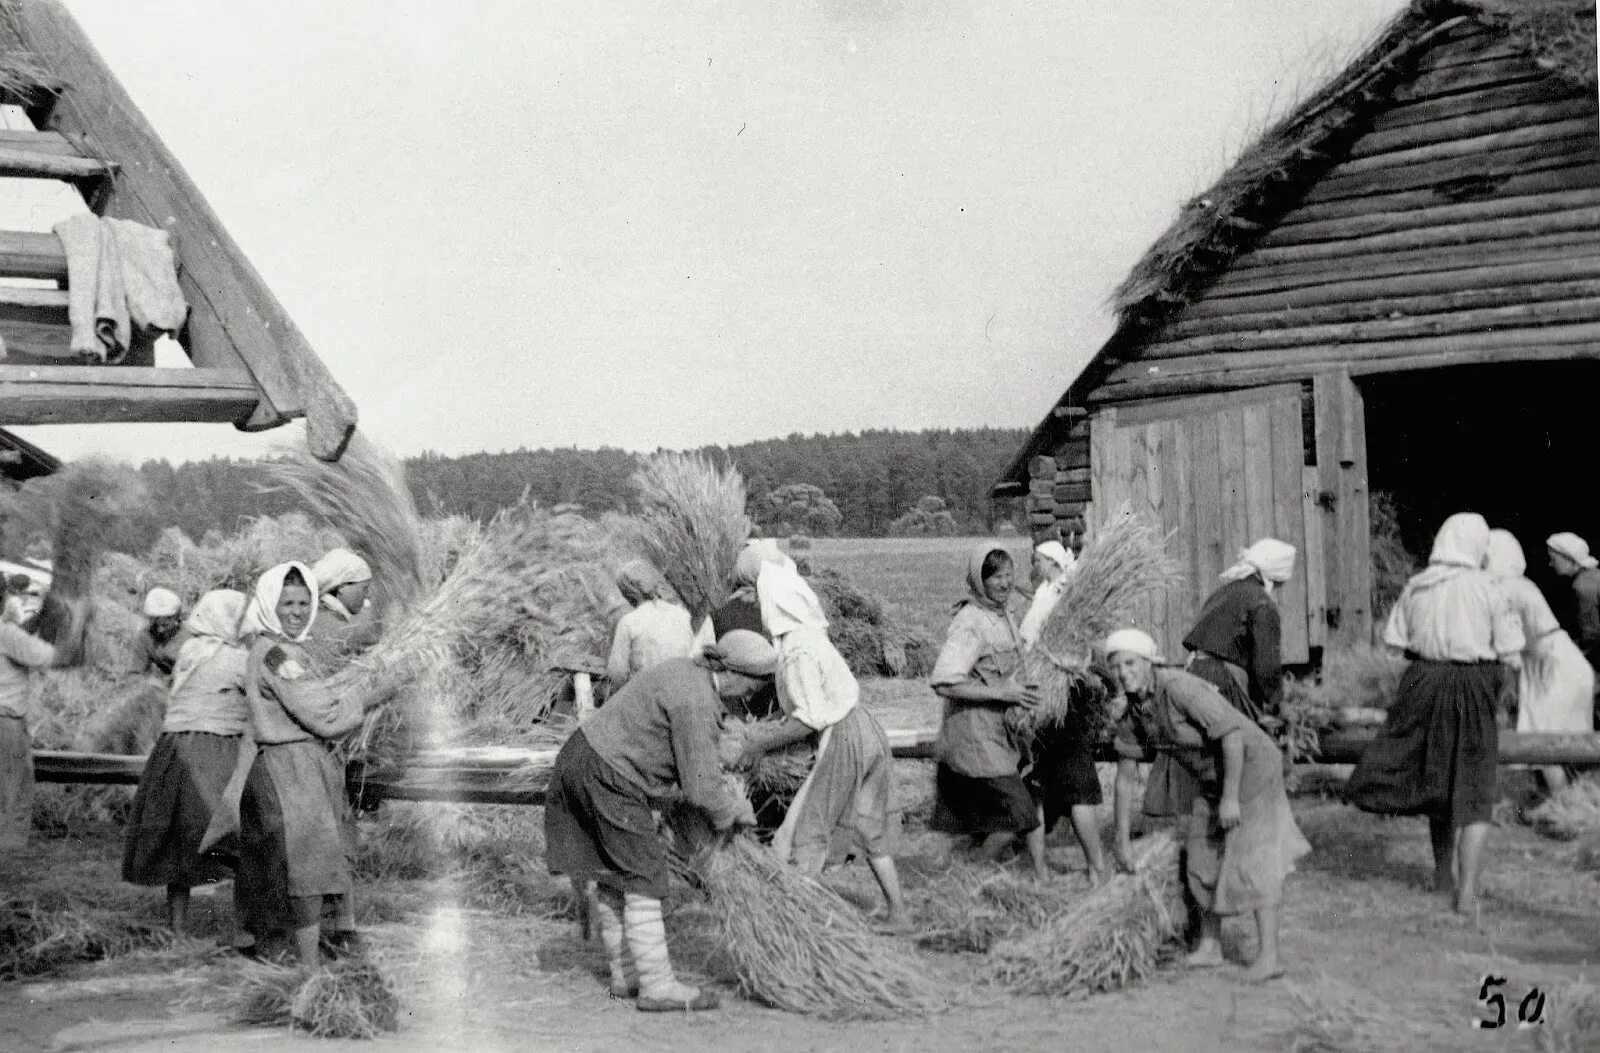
[{"x": 506, "y": 775}]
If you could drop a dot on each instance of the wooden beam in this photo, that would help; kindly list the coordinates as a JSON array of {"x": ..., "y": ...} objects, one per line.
[
  {"x": 27, "y": 254},
  {"x": 235, "y": 319},
  {"x": 37, "y": 142},
  {"x": 1546, "y": 92},
  {"x": 1517, "y": 134},
  {"x": 25, "y": 164},
  {"x": 1576, "y": 176},
  {"x": 1441, "y": 214},
  {"x": 104, "y": 394},
  {"x": 1341, "y": 182},
  {"x": 1470, "y": 125}
]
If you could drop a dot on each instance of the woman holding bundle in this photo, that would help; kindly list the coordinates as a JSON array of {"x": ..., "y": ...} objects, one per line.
[
  {"x": 296, "y": 831},
  {"x": 657, "y": 737},
  {"x": 653, "y": 631},
  {"x": 1438, "y": 752},
  {"x": 980, "y": 792},
  {"x": 843, "y": 807},
  {"x": 1555, "y": 691},
  {"x": 1242, "y": 837},
  {"x": 189, "y": 768},
  {"x": 1062, "y": 778},
  {"x": 349, "y": 623}
]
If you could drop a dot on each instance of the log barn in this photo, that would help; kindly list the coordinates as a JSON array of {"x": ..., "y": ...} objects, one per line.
[
  {"x": 68, "y": 119},
  {"x": 1396, "y": 289}
]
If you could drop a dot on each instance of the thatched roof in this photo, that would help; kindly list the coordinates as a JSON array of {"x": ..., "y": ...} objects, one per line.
[{"x": 1270, "y": 175}]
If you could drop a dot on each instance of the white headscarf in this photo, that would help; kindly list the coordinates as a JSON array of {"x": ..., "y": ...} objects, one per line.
[
  {"x": 1461, "y": 545},
  {"x": 161, "y": 603},
  {"x": 1269, "y": 557},
  {"x": 340, "y": 567},
  {"x": 1058, "y": 554},
  {"x": 212, "y": 625},
  {"x": 1133, "y": 641},
  {"x": 261, "y": 614},
  {"x": 787, "y": 602},
  {"x": 1573, "y": 547},
  {"x": 1505, "y": 555}
]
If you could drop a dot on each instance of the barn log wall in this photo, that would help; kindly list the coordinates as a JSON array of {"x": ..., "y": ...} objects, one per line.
[{"x": 1464, "y": 225}]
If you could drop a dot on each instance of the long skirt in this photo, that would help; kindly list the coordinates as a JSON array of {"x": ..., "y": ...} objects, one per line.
[
  {"x": 1063, "y": 774},
  {"x": 181, "y": 787},
  {"x": 1437, "y": 754},
  {"x": 598, "y": 826},
  {"x": 1555, "y": 687},
  {"x": 16, "y": 782},
  {"x": 844, "y": 806},
  {"x": 296, "y": 838},
  {"x": 1241, "y": 870},
  {"x": 968, "y": 804}
]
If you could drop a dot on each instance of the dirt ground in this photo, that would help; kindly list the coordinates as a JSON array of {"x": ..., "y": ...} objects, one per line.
[{"x": 1357, "y": 927}]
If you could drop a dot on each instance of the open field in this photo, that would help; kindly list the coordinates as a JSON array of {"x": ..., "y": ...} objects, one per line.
[{"x": 921, "y": 578}]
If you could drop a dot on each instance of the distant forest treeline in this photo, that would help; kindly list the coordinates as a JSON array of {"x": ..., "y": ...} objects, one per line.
[{"x": 872, "y": 477}]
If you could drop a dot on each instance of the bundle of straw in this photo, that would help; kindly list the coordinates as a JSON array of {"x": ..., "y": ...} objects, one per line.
[
  {"x": 36, "y": 938},
  {"x": 1125, "y": 562},
  {"x": 348, "y": 999},
  {"x": 1112, "y": 937},
  {"x": 365, "y": 495},
  {"x": 1571, "y": 812},
  {"x": 797, "y": 946},
  {"x": 693, "y": 525},
  {"x": 777, "y": 772}
]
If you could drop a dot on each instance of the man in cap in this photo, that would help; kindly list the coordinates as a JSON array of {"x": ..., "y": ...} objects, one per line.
[
  {"x": 1570, "y": 558},
  {"x": 163, "y": 632}
]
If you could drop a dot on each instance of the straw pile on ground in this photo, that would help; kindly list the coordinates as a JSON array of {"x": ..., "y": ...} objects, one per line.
[
  {"x": 692, "y": 525},
  {"x": 38, "y": 938},
  {"x": 971, "y": 908},
  {"x": 347, "y": 999},
  {"x": 1571, "y": 813},
  {"x": 1334, "y": 1017},
  {"x": 1114, "y": 936},
  {"x": 1125, "y": 563},
  {"x": 797, "y": 946}
]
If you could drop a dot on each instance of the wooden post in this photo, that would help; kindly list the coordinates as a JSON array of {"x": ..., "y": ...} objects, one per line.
[{"x": 1343, "y": 502}]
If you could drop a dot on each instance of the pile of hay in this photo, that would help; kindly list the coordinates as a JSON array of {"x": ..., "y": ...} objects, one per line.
[
  {"x": 795, "y": 945},
  {"x": 1125, "y": 563},
  {"x": 872, "y": 642},
  {"x": 692, "y": 525},
  {"x": 969, "y": 909},
  {"x": 1570, "y": 814},
  {"x": 1114, "y": 936},
  {"x": 347, "y": 999},
  {"x": 1334, "y": 1017},
  {"x": 37, "y": 938}
]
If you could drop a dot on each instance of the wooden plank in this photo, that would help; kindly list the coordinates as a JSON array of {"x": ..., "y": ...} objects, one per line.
[
  {"x": 25, "y": 340},
  {"x": 25, "y": 164},
  {"x": 1442, "y": 213},
  {"x": 1234, "y": 520},
  {"x": 1288, "y": 523},
  {"x": 1341, "y": 456},
  {"x": 1468, "y": 232},
  {"x": 103, "y": 394},
  {"x": 1546, "y": 92},
  {"x": 1155, "y": 457},
  {"x": 1314, "y": 558},
  {"x": 1256, "y": 435},
  {"x": 1341, "y": 182},
  {"x": 1471, "y": 125},
  {"x": 1577, "y": 176},
  {"x": 36, "y": 142},
  {"x": 1205, "y": 465},
  {"x": 1190, "y": 323},
  {"x": 1102, "y": 439},
  {"x": 1146, "y": 413},
  {"x": 235, "y": 319},
  {"x": 1518, "y": 135},
  {"x": 1362, "y": 290},
  {"x": 1474, "y": 76},
  {"x": 1177, "y": 503},
  {"x": 26, "y": 254},
  {"x": 1387, "y": 330}
]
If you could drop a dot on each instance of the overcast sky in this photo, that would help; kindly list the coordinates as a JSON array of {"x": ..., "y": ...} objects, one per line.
[{"x": 635, "y": 224}]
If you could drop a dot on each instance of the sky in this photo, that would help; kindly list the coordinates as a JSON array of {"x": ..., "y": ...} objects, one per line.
[{"x": 506, "y": 224}]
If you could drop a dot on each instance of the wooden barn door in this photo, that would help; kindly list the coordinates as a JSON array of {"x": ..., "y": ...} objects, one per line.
[{"x": 1216, "y": 472}]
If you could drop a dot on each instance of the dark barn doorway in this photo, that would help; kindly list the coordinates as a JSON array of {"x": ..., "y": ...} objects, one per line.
[{"x": 1517, "y": 443}]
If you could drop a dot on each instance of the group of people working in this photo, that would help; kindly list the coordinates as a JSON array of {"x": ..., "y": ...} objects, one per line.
[{"x": 241, "y": 781}]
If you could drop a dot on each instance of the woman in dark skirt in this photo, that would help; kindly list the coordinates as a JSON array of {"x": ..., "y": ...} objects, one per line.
[
  {"x": 657, "y": 737},
  {"x": 190, "y": 765},
  {"x": 980, "y": 792},
  {"x": 1437, "y": 754},
  {"x": 296, "y": 831}
]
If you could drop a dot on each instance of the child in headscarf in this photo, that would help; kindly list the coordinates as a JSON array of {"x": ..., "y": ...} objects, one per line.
[
  {"x": 1555, "y": 690},
  {"x": 657, "y": 737},
  {"x": 191, "y": 763},
  {"x": 980, "y": 792},
  {"x": 1437, "y": 754},
  {"x": 296, "y": 832},
  {"x": 653, "y": 631},
  {"x": 844, "y": 806},
  {"x": 163, "y": 637}
]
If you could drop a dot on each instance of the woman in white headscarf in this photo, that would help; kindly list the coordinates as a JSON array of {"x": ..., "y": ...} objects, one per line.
[
  {"x": 1437, "y": 754},
  {"x": 1052, "y": 563},
  {"x": 296, "y": 832},
  {"x": 163, "y": 631},
  {"x": 348, "y": 621},
  {"x": 653, "y": 631},
  {"x": 1242, "y": 840},
  {"x": 189, "y": 767},
  {"x": 844, "y": 806},
  {"x": 1555, "y": 689}
]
